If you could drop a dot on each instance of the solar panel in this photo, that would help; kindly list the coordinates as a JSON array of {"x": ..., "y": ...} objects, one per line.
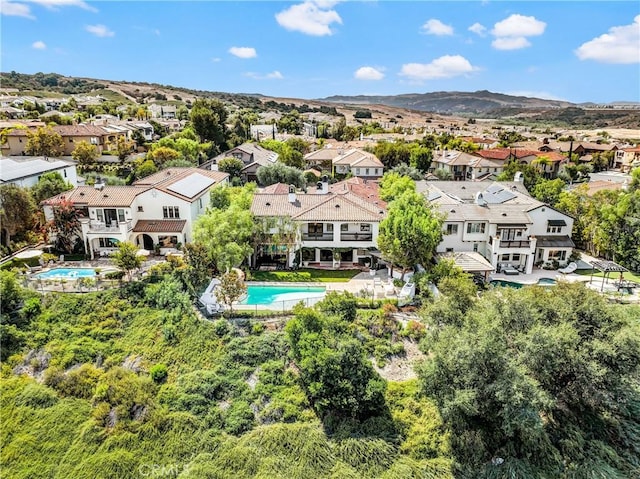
[
  {"x": 191, "y": 185},
  {"x": 496, "y": 194}
]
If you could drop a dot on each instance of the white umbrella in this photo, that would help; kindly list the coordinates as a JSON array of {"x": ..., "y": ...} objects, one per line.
[
  {"x": 143, "y": 252},
  {"x": 29, "y": 253}
]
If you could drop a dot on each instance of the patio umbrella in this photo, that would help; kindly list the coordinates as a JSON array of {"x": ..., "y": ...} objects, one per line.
[
  {"x": 143, "y": 252},
  {"x": 29, "y": 253}
]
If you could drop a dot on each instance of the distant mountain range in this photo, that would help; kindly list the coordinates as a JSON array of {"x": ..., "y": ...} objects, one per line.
[{"x": 456, "y": 102}]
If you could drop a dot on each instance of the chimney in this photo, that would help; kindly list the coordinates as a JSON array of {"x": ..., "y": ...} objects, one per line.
[
  {"x": 325, "y": 184},
  {"x": 292, "y": 194},
  {"x": 99, "y": 184}
]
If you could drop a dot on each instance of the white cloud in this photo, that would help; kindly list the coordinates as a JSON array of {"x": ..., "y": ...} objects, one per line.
[
  {"x": 478, "y": 29},
  {"x": 99, "y": 30},
  {"x": 620, "y": 45},
  {"x": 434, "y": 26},
  {"x": 11, "y": 9},
  {"x": 312, "y": 17},
  {"x": 510, "y": 43},
  {"x": 216, "y": 59},
  {"x": 512, "y": 32},
  {"x": 55, "y": 4},
  {"x": 447, "y": 66},
  {"x": 368, "y": 73},
  {"x": 243, "y": 52},
  {"x": 519, "y": 26},
  {"x": 39, "y": 45},
  {"x": 274, "y": 75}
]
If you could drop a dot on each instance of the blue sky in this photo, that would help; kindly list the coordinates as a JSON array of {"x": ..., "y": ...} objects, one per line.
[{"x": 575, "y": 51}]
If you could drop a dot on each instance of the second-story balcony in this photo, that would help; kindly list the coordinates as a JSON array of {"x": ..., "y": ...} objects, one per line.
[
  {"x": 514, "y": 244},
  {"x": 317, "y": 236},
  {"x": 356, "y": 237},
  {"x": 100, "y": 227}
]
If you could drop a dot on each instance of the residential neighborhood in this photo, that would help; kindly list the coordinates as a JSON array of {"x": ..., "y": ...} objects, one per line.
[{"x": 319, "y": 240}]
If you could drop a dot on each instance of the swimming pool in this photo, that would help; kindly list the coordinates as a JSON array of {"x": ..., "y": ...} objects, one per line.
[
  {"x": 513, "y": 284},
  {"x": 282, "y": 295},
  {"x": 67, "y": 273}
]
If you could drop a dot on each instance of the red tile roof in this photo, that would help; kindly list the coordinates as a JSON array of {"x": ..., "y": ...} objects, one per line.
[{"x": 159, "y": 226}]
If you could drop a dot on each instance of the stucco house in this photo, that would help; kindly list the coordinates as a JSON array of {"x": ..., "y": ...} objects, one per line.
[
  {"x": 333, "y": 226},
  {"x": 252, "y": 155},
  {"x": 156, "y": 212},
  {"x": 358, "y": 163},
  {"x": 25, "y": 171},
  {"x": 501, "y": 222}
]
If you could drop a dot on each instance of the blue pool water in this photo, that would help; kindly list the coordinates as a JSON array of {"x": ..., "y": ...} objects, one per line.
[
  {"x": 67, "y": 273},
  {"x": 275, "y": 295},
  {"x": 513, "y": 284}
]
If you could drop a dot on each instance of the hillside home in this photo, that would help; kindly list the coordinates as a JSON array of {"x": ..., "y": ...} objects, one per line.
[
  {"x": 156, "y": 212},
  {"x": 501, "y": 222},
  {"x": 25, "y": 171},
  {"x": 332, "y": 228},
  {"x": 358, "y": 163},
  {"x": 71, "y": 136},
  {"x": 166, "y": 112},
  {"x": 252, "y": 155},
  {"x": 627, "y": 158}
]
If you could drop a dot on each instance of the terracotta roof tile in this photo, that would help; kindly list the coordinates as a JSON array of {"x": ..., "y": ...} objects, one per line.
[{"x": 159, "y": 226}]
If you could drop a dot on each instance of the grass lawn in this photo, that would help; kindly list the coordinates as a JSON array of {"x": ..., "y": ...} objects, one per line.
[
  {"x": 628, "y": 275},
  {"x": 303, "y": 275}
]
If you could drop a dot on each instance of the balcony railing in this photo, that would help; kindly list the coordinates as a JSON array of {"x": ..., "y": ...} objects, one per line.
[
  {"x": 317, "y": 236},
  {"x": 356, "y": 237},
  {"x": 97, "y": 227},
  {"x": 515, "y": 244}
]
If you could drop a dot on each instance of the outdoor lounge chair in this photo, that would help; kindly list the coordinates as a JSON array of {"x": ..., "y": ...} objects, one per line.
[{"x": 570, "y": 268}]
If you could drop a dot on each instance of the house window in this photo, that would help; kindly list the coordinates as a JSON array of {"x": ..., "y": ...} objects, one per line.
[
  {"x": 108, "y": 242},
  {"x": 200, "y": 203},
  {"x": 365, "y": 228},
  {"x": 330, "y": 227},
  {"x": 357, "y": 171},
  {"x": 505, "y": 257},
  {"x": 554, "y": 229},
  {"x": 64, "y": 172},
  {"x": 170, "y": 212},
  {"x": 452, "y": 229},
  {"x": 449, "y": 250},
  {"x": 558, "y": 255},
  {"x": 168, "y": 241},
  {"x": 375, "y": 171},
  {"x": 315, "y": 228},
  {"x": 120, "y": 216},
  {"x": 515, "y": 257},
  {"x": 100, "y": 216},
  {"x": 475, "y": 247},
  {"x": 140, "y": 209},
  {"x": 344, "y": 227},
  {"x": 366, "y": 172},
  {"x": 70, "y": 140},
  {"x": 475, "y": 228}
]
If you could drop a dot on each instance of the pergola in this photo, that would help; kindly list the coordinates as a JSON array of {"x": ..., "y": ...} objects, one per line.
[{"x": 606, "y": 267}]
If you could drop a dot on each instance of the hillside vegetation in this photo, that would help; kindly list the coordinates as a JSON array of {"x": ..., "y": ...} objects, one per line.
[{"x": 530, "y": 383}]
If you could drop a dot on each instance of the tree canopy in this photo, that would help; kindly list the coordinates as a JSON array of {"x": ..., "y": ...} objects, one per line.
[
  {"x": 411, "y": 231},
  {"x": 279, "y": 173},
  {"x": 208, "y": 118},
  {"x": 50, "y": 184},
  {"x": 538, "y": 383},
  {"x": 44, "y": 142}
]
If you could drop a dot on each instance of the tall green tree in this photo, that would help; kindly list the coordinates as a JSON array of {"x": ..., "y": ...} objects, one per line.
[
  {"x": 44, "y": 142},
  {"x": 209, "y": 118},
  {"x": 17, "y": 210},
  {"x": 126, "y": 257},
  {"x": 338, "y": 379},
  {"x": 411, "y": 231},
  {"x": 50, "y": 184},
  {"x": 280, "y": 173},
  {"x": 538, "y": 383},
  {"x": 231, "y": 165},
  {"x": 85, "y": 153},
  {"x": 393, "y": 184},
  {"x": 230, "y": 289},
  {"x": 548, "y": 191}
]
